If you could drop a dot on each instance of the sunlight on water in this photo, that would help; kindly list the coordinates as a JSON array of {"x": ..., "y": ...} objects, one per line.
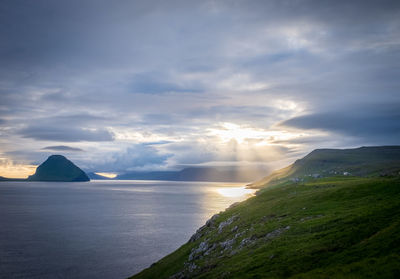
[
  {"x": 109, "y": 228},
  {"x": 235, "y": 192}
]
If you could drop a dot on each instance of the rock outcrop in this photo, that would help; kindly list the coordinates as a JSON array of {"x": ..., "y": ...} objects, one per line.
[{"x": 236, "y": 239}]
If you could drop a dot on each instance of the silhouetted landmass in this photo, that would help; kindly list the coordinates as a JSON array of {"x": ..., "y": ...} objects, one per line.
[
  {"x": 11, "y": 179},
  {"x": 363, "y": 161},
  {"x": 217, "y": 174},
  {"x": 150, "y": 175},
  {"x": 58, "y": 168}
]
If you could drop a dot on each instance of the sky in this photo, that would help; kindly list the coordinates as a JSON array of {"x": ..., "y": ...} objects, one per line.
[{"x": 119, "y": 86}]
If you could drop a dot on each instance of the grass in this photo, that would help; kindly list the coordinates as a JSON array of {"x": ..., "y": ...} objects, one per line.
[
  {"x": 361, "y": 162},
  {"x": 340, "y": 227}
]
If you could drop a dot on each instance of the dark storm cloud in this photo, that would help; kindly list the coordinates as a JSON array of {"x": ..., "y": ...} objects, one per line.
[
  {"x": 45, "y": 34},
  {"x": 73, "y": 119},
  {"x": 368, "y": 122},
  {"x": 168, "y": 71},
  {"x": 65, "y": 134},
  {"x": 67, "y": 128},
  {"x": 62, "y": 148}
]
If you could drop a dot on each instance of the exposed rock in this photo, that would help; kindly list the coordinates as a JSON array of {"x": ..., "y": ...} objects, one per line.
[
  {"x": 223, "y": 224},
  {"x": 205, "y": 248},
  {"x": 276, "y": 233},
  {"x": 246, "y": 241},
  {"x": 210, "y": 249},
  {"x": 202, "y": 230},
  {"x": 197, "y": 252},
  {"x": 239, "y": 234},
  {"x": 234, "y": 229},
  {"x": 227, "y": 244},
  {"x": 211, "y": 222},
  {"x": 198, "y": 234},
  {"x": 191, "y": 267}
]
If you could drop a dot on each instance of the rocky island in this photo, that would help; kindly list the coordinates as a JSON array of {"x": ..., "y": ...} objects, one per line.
[{"x": 58, "y": 168}]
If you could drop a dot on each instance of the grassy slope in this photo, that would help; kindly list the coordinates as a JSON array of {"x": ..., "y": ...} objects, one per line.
[
  {"x": 363, "y": 161},
  {"x": 339, "y": 227}
]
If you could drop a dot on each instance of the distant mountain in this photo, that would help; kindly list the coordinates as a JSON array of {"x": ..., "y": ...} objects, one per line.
[
  {"x": 217, "y": 174},
  {"x": 149, "y": 175},
  {"x": 58, "y": 168},
  {"x": 3, "y": 178},
  {"x": 11, "y": 179},
  {"x": 363, "y": 161}
]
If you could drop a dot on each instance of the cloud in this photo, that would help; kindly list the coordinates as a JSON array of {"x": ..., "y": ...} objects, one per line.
[
  {"x": 155, "y": 83},
  {"x": 139, "y": 84},
  {"x": 62, "y": 148},
  {"x": 368, "y": 122},
  {"x": 65, "y": 134},
  {"x": 66, "y": 128},
  {"x": 133, "y": 157},
  {"x": 157, "y": 142}
]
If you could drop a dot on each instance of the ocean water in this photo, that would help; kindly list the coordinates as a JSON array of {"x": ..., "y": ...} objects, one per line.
[{"x": 101, "y": 229}]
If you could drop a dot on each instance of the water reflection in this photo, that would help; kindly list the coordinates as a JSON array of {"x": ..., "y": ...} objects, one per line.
[
  {"x": 101, "y": 229},
  {"x": 235, "y": 192}
]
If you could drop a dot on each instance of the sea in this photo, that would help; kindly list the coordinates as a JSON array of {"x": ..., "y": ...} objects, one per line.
[{"x": 102, "y": 229}]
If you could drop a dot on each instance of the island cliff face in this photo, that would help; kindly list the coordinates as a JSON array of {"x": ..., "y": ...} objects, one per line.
[{"x": 58, "y": 168}]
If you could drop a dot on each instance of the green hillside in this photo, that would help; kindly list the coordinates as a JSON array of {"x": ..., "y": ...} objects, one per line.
[
  {"x": 331, "y": 227},
  {"x": 363, "y": 161}
]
